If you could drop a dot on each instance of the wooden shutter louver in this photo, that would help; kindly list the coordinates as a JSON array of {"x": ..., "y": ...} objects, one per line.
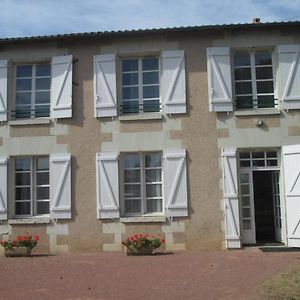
[
  {"x": 105, "y": 87},
  {"x": 60, "y": 186},
  {"x": 3, "y": 188},
  {"x": 231, "y": 202},
  {"x": 289, "y": 75},
  {"x": 3, "y": 90},
  {"x": 173, "y": 82},
  {"x": 107, "y": 177},
  {"x": 175, "y": 183},
  {"x": 61, "y": 87},
  {"x": 219, "y": 79}
]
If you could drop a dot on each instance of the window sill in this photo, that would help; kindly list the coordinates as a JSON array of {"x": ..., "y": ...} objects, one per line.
[
  {"x": 157, "y": 219},
  {"x": 256, "y": 112},
  {"x": 39, "y": 220},
  {"x": 148, "y": 116},
  {"x": 29, "y": 122}
]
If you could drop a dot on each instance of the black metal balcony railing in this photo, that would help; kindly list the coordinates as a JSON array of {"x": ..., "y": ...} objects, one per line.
[
  {"x": 30, "y": 113},
  {"x": 134, "y": 107}
]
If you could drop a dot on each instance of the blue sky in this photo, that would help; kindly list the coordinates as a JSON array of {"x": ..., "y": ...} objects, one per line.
[{"x": 43, "y": 17}]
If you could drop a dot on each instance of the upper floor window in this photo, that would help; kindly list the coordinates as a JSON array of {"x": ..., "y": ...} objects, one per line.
[
  {"x": 140, "y": 85},
  {"x": 253, "y": 80},
  {"x": 32, "y": 91}
]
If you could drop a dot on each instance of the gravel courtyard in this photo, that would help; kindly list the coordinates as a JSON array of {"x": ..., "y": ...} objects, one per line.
[{"x": 182, "y": 275}]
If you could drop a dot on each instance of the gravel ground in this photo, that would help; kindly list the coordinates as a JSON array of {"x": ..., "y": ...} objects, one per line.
[{"x": 103, "y": 275}]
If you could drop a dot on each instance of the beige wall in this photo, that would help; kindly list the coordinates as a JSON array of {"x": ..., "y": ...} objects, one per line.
[{"x": 199, "y": 131}]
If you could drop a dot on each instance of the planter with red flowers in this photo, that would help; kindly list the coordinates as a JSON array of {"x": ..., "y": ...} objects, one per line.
[
  {"x": 21, "y": 246},
  {"x": 142, "y": 244}
]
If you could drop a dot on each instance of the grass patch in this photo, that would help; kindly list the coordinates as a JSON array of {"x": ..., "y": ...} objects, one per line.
[{"x": 283, "y": 286}]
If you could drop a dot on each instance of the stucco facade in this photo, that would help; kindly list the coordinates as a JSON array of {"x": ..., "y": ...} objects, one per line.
[{"x": 202, "y": 133}]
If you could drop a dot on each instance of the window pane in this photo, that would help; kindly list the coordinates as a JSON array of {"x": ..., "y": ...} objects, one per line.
[
  {"x": 244, "y": 163},
  {"x": 132, "y": 176},
  {"x": 42, "y": 193},
  {"x": 246, "y": 213},
  {"x": 153, "y": 175},
  {"x": 245, "y": 189},
  {"x": 130, "y": 79},
  {"x": 42, "y": 97},
  {"x": 129, "y": 65},
  {"x": 24, "y": 71},
  {"x": 130, "y": 92},
  {"x": 132, "y": 206},
  {"x": 264, "y": 73},
  {"x": 42, "y": 207},
  {"x": 151, "y": 106},
  {"x": 150, "y": 78},
  {"x": 22, "y": 208},
  {"x": 244, "y": 102},
  {"x": 258, "y": 163},
  {"x": 245, "y": 201},
  {"x": 263, "y": 58},
  {"x": 42, "y": 178},
  {"x": 258, "y": 154},
  {"x": 153, "y": 190},
  {"x": 154, "y": 205},
  {"x": 241, "y": 59},
  {"x": 266, "y": 101},
  {"x": 22, "y": 178},
  {"x": 265, "y": 86},
  {"x": 42, "y": 111},
  {"x": 22, "y": 193},
  {"x": 153, "y": 160},
  {"x": 23, "y": 111},
  {"x": 43, "y": 70},
  {"x": 150, "y": 64},
  {"x": 130, "y": 107},
  {"x": 23, "y": 164},
  {"x": 246, "y": 224},
  {"x": 42, "y": 83},
  {"x": 131, "y": 161},
  {"x": 244, "y": 155},
  {"x": 151, "y": 91},
  {"x": 23, "y": 85},
  {"x": 242, "y": 74},
  {"x": 243, "y": 88},
  {"x": 272, "y": 163},
  {"x": 244, "y": 178},
  {"x": 132, "y": 190},
  {"x": 43, "y": 163},
  {"x": 23, "y": 98},
  {"x": 271, "y": 154}
]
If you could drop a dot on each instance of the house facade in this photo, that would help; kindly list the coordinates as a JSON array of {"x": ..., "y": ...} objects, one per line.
[{"x": 192, "y": 133}]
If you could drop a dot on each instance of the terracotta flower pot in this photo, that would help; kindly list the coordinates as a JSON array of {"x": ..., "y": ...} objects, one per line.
[
  {"x": 140, "y": 251},
  {"x": 17, "y": 251}
]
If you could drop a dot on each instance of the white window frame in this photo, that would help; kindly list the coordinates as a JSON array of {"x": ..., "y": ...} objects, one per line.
[
  {"x": 254, "y": 79},
  {"x": 140, "y": 80},
  {"x": 143, "y": 183},
  {"x": 33, "y": 87},
  {"x": 33, "y": 187}
]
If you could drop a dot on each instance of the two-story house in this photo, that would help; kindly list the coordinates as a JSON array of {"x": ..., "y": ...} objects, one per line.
[{"x": 192, "y": 133}]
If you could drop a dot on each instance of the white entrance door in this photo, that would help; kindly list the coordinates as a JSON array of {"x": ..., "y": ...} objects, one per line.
[
  {"x": 291, "y": 165},
  {"x": 247, "y": 207},
  {"x": 277, "y": 206}
]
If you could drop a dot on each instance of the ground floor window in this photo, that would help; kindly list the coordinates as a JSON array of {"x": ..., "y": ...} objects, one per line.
[
  {"x": 142, "y": 183},
  {"x": 31, "y": 193}
]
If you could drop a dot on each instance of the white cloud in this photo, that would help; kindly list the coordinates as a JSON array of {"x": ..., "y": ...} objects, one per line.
[{"x": 43, "y": 17}]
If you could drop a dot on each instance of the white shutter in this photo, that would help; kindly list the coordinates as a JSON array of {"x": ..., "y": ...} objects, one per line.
[
  {"x": 3, "y": 188},
  {"x": 107, "y": 177},
  {"x": 289, "y": 75},
  {"x": 3, "y": 90},
  {"x": 231, "y": 202},
  {"x": 61, "y": 86},
  {"x": 175, "y": 185},
  {"x": 60, "y": 186},
  {"x": 219, "y": 79},
  {"x": 291, "y": 166},
  {"x": 173, "y": 88},
  {"x": 105, "y": 87}
]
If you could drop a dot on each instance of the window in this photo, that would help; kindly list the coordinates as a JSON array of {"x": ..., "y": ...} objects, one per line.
[
  {"x": 31, "y": 186},
  {"x": 253, "y": 80},
  {"x": 258, "y": 159},
  {"x": 32, "y": 91},
  {"x": 140, "y": 85},
  {"x": 142, "y": 183}
]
